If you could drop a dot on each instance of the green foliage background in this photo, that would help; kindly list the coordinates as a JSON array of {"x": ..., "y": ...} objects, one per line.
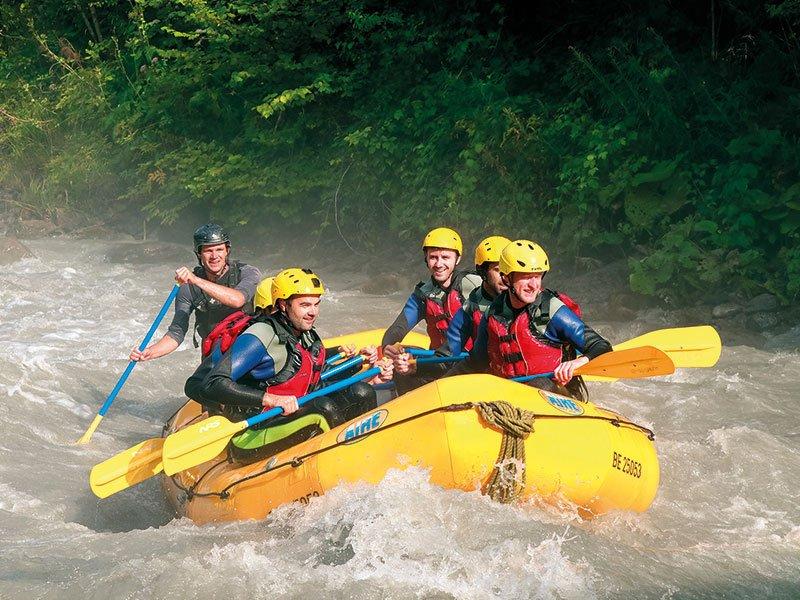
[{"x": 662, "y": 132}]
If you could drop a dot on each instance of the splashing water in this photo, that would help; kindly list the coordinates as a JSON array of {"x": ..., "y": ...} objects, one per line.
[{"x": 726, "y": 521}]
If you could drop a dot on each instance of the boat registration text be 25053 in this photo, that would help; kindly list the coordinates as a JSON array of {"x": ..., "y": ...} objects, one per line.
[{"x": 626, "y": 465}]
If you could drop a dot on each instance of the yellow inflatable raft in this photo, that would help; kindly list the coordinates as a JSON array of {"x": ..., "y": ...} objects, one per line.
[{"x": 586, "y": 454}]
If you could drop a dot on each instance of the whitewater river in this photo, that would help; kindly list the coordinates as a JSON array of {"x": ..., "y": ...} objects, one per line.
[{"x": 725, "y": 523}]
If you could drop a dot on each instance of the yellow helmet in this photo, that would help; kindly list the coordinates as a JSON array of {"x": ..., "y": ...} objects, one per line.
[
  {"x": 263, "y": 297},
  {"x": 291, "y": 282},
  {"x": 443, "y": 237},
  {"x": 523, "y": 256},
  {"x": 489, "y": 249}
]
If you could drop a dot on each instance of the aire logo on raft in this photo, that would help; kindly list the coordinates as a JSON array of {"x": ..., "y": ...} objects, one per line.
[
  {"x": 353, "y": 432},
  {"x": 562, "y": 403}
]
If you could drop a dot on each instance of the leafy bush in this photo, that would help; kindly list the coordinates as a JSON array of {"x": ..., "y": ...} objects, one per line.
[{"x": 671, "y": 143}]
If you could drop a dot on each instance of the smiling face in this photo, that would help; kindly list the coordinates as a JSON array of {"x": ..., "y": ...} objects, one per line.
[
  {"x": 301, "y": 311},
  {"x": 441, "y": 264},
  {"x": 526, "y": 287},
  {"x": 214, "y": 258}
]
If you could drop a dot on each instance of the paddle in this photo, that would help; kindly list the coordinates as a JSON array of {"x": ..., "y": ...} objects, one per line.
[
  {"x": 440, "y": 359},
  {"x": 332, "y": 359},
  {"x": 693, "y": 347},
  {"x": 201, "y": 442},
  {"x": 144, "y": 460},
  {"x": 420, "y": 353},
  {"x": 643, "y": 361},
  {"x": 112, "y": 396},
  {"x": 348, "y": 364},
  {"x": 698, "y": 346},
  {"x": 127, "y": 468},
  {"x": 633, "y": 363}
]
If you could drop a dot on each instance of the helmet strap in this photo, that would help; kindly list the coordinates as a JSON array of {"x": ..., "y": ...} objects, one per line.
[{"x": 508, "y": 280}]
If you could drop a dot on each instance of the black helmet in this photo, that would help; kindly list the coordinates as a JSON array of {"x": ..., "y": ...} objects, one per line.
[{"x": 208, "y": 235}]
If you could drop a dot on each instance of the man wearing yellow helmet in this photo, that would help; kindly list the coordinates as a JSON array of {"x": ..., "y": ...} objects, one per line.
[
  {"x": 529, "y": 329},
  {"x": 464, "y": 325},
  {"x": 277, "y": 359},
  {"x": 435, "y": 300}
]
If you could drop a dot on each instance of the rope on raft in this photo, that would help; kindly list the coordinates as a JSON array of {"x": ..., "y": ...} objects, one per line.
[{"x": 507, "y": 480}]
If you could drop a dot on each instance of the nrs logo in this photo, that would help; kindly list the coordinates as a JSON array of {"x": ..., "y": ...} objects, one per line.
[
  {"x": 562, "y": 403},
  {"x": 370, "y": 423},
  {"x": 209, "y": 425}
]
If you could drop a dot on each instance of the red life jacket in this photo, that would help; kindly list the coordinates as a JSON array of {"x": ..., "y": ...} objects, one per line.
[
  {"x": 303, "y": 366},
  {"x": 519, "y": 347},
  {"x": 226, "y": 331},
  {"x": 439, "y": 311}
]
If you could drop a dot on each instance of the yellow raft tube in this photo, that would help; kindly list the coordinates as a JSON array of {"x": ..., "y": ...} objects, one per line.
[{"x": 578, "y": 451}]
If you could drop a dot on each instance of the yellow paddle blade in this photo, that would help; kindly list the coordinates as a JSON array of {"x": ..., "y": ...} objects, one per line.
[
  {"x": 698, "y": 346},
  {"x": 635, "y": 362},
  {"x": 84, "y": 439},
  {"x": 687, "y": 346},
  {"x": 127, "y": 468},
  {"x": 198, "y": 443}
]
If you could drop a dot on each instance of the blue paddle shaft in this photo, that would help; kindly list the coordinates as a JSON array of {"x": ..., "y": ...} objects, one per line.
[
  {"x": 334, "y": 358},
  {"x": 420, "y": 352},
  {"x": 440, "y": 359},
  {"x": 348, "y": 364},
  {"x": 524, "y": 378},
  {"x": 121, "y": 381},
  {"x": 334, "y": 387}
]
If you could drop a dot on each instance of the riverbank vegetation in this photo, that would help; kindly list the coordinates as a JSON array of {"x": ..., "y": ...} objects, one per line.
[{"x": 666, "y": 133}]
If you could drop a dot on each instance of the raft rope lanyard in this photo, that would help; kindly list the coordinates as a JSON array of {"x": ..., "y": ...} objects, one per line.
[
  {"x": 508, "y": 477},
  {"x": 503, "y": 486}
]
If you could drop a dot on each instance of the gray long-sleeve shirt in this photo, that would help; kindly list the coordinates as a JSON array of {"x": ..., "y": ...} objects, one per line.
[{"x": 187, "y": 300}]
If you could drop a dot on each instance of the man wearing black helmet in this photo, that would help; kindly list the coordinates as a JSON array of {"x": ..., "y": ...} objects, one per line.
[{"x": 214, "y": 289}]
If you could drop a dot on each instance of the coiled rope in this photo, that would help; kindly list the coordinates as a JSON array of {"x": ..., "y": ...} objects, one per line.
[{"x": 507, "y": 480}]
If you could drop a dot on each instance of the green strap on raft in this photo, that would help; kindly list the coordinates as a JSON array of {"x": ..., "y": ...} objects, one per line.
[{"x": 252, "y": 439}]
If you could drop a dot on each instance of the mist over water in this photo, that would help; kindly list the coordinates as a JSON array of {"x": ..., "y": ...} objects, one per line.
[{"x": 726, "y": 521}]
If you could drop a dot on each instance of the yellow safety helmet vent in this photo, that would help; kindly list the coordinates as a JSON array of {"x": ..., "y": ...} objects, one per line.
[
  {"x": 443, "y": 237},
  {"x": 489, "y": 249},
  {"x": 295, "y": 281},
  {"x": 523, "y": 256}
]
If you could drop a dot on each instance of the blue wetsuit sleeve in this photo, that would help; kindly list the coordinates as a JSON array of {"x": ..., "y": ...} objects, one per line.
[
  {"x": 413, "y": 312},
  {"x": 246, "y": 356},
  {"x": 458, "y": 332},
  {"x": 247, "y": 353},
  {"x": 567, "y": 327},
  {"x": 478, "y": 359}
]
